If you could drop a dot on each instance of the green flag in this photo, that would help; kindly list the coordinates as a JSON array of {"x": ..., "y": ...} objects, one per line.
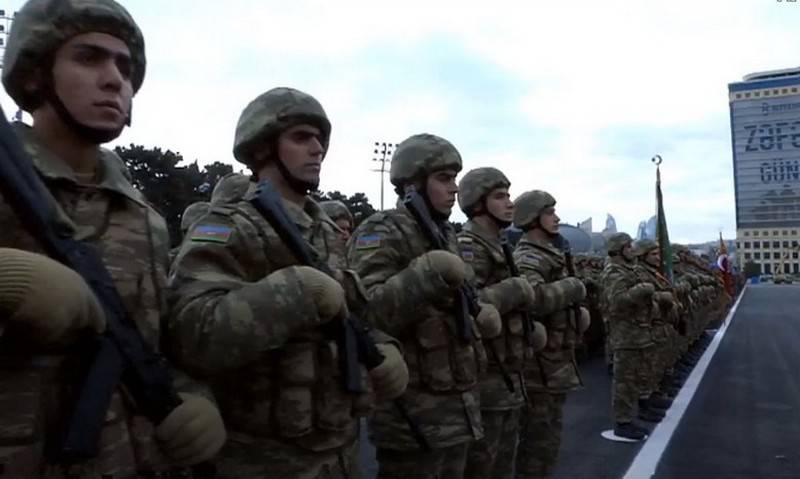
[{"x": 661, "y": 226}]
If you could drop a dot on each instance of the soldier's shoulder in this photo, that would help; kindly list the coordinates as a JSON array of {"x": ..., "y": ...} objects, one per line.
[{"x": 224, "y": 224}]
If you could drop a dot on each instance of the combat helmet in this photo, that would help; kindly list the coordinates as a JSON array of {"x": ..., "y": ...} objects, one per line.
[
  {"x": 336, "y": 210},
  {"x": 41, "y": 26},
  {"x": 476, "y": 184},
  {"x": 273, "y": 112},
  {"x": 617, "y": 242},
  {"x": 644, "y": 246},
  {"x": 420, "y": 155},
  {"x": 529, "y": 206}
]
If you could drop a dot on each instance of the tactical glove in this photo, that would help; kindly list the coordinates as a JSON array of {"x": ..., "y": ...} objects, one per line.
[
  {"x": 488, "y": 321},
  {"x": 665, "y": 299},
  {"x": 448, "y": 265},
  {"x": 584, "y": 321},
  {"x": 539, "y": 336},
  {"x": 193, "y": 432},
  {"x": 527, "y": 295},
  {"x": 326, "y": 293},
  {"x": 642, "y": 291},
  {"x": 390, "y": 377},
  {"x": 47, "y": 300},
  {"x": 574, "y": 290}
]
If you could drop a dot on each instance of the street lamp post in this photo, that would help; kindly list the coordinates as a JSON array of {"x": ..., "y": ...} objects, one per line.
[{"x": 383, "y": 154}]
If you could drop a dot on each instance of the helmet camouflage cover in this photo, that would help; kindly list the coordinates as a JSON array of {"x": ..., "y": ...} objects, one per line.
[
  {"x": 419, "y": 156},
  {"x": 478, "y": 183},
  {"x": 273, "y": 112},
  {"x": 529, "y": 206},
  {"x": 336, "y": 210},
  {"x": 40, "y": 27},
  {"x": 644, "y": 246},
  {"x": 617, "y": 241}
]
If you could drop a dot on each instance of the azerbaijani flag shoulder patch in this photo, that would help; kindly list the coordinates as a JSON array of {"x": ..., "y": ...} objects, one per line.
[
  {"x": 211, "y": 233},
  {"x": 368, "y": 241}
]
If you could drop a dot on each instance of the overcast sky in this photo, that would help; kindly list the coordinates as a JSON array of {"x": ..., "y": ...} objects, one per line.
[{"x": 571, "y": 97}]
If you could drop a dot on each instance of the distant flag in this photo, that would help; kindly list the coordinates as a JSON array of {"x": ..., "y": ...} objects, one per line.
[
  {"x": 724, "y": 264},
  {"x": 661, "y": 226}
]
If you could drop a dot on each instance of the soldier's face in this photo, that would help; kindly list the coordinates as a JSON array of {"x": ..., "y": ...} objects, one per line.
[
  {"x": 92, "y": 78},
  {"x": 344, "y": 225},
  {"x": 301, "y": 152},
  {"x": 627, "y": 252},
  {"x": 499, "y": 204},
  {"x": 549, "y": 220},
  {"x": 653, "y": 258},
  {"x": 441, "y": 189}
]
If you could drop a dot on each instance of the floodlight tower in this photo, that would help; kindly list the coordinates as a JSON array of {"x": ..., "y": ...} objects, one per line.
[{"x": 383, "y": 154}]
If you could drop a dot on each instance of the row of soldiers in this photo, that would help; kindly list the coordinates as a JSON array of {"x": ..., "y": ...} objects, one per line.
[
  {"x": 460, "y": 350},
  {"x": 654, "y": 327}
]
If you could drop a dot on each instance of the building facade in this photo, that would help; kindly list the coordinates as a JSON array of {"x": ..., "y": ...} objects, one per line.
[{"x": 765, "y": 134}]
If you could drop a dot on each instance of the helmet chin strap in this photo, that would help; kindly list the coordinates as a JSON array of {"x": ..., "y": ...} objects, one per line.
[
  {"x": 297, "y": 185},
  {"x": 96, "y": 136}
]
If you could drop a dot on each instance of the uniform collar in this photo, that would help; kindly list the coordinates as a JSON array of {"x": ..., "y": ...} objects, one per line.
[{"x": 111, "y": 169}]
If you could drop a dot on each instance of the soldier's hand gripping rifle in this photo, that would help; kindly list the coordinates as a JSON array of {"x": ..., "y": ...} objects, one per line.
[
  {"x": 356, "y": 345},
  {"x": 466, "y": 299},
  {"x": 120, "y": 354},
  {"x": 527, "y": 320},
  {"x": 562, "y": 243}
]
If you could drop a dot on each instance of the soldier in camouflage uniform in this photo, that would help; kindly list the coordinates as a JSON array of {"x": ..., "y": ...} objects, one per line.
[
  {"x": 338, "y": 212},
  {"x": 75, "y": 66},
  {"x": 628, "y": 305},
  {"x": 415, "y": 287},
  {"x": 483, "y": 197},
  {"x": 252, "y": 321},
  {"x": 664, "y": 330},
  {"x": 554, "y": 373}
]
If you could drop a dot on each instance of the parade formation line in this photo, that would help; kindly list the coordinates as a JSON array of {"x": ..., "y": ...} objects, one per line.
[{"x": 645, "y": 463}]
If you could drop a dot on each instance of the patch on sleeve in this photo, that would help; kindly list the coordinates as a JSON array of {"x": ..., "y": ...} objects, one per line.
[
  {"x": 370, "y": 241},
  {"x": 211, "y": 233},
  {"x": 530, "y": 260}
]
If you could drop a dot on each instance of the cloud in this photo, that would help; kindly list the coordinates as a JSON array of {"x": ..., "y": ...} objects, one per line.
[{"x": 572, "y": 97}]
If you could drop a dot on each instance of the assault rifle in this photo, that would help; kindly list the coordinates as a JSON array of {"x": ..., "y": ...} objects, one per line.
[
  {"x": 355, "y": 343},
  {"x": 120, "y": 355},
  {"x": 562, "y": 243},
  {"x": 527, "y": 320},
  {"x": 466, "y": 298}
]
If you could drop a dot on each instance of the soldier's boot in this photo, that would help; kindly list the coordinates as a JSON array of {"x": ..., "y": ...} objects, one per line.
[
  {"x": 660, "y": 402},
  {"x": 629, "y": 431},
  {"x": 651, "y": 415}
]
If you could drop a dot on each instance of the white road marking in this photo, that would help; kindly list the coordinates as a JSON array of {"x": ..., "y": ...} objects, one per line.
[{"x": 645, "y": 463}]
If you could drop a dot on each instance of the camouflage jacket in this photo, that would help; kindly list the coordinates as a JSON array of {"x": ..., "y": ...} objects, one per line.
[
  {"x": 665, "y": 321},
  {"x": 34, "y": 384},
  {"x": 628, "y": 311},
  {"x": 271, "y": 378},
  {"x": 484, "y": 253},
  {"x": 543, "y": 265},
  {"x": 417, "y": 308}
]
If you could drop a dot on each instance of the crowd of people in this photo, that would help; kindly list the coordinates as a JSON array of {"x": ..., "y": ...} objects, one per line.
[{"x": 254, "y": 348}]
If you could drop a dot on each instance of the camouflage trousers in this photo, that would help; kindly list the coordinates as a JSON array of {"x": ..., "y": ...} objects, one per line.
[
  {"x": 540, "y": 435},
  {"x": 440, "y": 463},
  {"x": 245, "y": 456},
  {"x": 631, "y": 376},
  {"x": 493, "y": 456}
]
